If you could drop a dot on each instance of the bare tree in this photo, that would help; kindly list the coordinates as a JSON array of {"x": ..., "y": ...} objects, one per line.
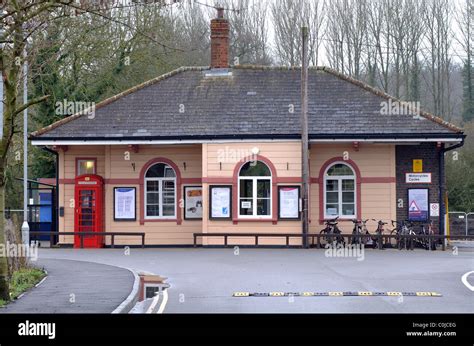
[
  {"x": 415, "y": 29},
  {"x": 348, "y": 27},
  {"x": 437, "y": 17},
  {"x": 465, "y": 20},
  {"x": 288, "y": 16},
  {"x": 379, "y": 28},
  {"x": 248, "y": 32}
]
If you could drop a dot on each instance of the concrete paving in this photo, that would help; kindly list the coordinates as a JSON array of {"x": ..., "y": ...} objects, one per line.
[
  {"x": 75, "y": 287},
  {"x": 203, "y": 280}
]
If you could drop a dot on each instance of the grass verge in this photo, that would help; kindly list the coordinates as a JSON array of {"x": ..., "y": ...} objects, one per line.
[{"x": 22, "y": 280}]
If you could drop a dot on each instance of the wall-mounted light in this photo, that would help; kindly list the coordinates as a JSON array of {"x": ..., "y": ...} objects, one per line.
[
  {"x": 133, "y": 166},
  {"x": 255, "y": 150},
  {"x": 184, "y": 165}
]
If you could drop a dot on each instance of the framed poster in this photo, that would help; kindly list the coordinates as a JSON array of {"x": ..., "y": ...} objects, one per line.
[
  {"x": 125, "y": 203},
  {"x": 193, "y": 202},
  {"x": 418, "y": 207},
  {"x": 289, "y": 202},
  {"x": 220, "y": 200}
]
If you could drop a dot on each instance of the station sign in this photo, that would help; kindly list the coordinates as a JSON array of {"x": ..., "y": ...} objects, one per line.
[{"x": 418, "y": 178}]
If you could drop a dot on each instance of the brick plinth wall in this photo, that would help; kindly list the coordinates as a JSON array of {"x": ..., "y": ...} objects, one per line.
[{"x": 405, "y": 154}]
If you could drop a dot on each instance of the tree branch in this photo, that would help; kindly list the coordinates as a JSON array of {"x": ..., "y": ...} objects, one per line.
[{"x": 30, "y": 103}]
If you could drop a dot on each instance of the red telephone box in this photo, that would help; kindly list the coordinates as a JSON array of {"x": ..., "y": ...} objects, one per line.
[{"x": 89, "y": 210}]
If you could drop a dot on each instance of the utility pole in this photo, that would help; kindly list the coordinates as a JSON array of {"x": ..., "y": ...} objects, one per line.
[
  {"x": 304, "y": 134},
  {"x": 25, "y": 228}
]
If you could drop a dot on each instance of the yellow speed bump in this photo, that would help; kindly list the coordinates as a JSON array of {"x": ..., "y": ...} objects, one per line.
[
  {"x": 241, "y": 294},
  {"x": 307, "y": 294},
  {"x": 277, "y": 294},
  {"x": 335, "y": 293},
  {"x": 423, "y": 294},
  {"x": 394, "y": 293},
  {"x": 364, "y": 293}
]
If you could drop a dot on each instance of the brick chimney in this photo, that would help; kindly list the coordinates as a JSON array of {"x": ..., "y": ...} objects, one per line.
[{"x": 220, "y": 41}]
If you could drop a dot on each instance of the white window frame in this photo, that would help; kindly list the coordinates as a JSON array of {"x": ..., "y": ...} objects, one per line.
[
  {"x": 160, "y": 197},
  {"x": 254, "y": 195},
  {"x": 339, "y": 179},
  {"x": 78, "y": 167}
]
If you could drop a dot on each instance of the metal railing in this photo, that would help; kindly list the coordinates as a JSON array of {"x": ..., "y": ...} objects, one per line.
[
  {"x": 383, "y": 240},
  {"x": 81, "y": 235},
  {"x": 461, "y": 223}
]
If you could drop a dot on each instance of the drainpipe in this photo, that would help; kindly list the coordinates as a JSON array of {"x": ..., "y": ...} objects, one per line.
[
  {"x": 442, "y": 207},
  {"x": 55, "y": 153}
]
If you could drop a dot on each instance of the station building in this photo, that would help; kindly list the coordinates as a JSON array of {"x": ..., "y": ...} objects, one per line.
[{"x": 218, "y": 149}]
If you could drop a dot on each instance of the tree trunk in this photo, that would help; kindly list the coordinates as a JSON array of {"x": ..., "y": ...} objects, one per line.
[{"x": 4, "y": 286}]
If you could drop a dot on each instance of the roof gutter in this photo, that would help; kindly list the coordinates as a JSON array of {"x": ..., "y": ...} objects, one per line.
[{"x": 392, "y": 138}]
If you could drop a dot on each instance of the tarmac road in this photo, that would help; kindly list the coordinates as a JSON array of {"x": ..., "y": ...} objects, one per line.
[{"x": 203, "y": 280}]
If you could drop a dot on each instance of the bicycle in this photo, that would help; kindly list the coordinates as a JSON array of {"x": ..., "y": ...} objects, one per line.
[
  {"x": 330, "y": 230},
  {"x": 401, "y": 230},
  {"x": 428, "y": 244},
  {"x": 379, "y": 232},
  {"x": 360, "y": 233}
]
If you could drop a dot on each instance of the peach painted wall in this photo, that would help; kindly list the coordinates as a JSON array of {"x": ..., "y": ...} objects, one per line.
[
  {"x": 117, "y": 171},
  {"x": 219, "y": 164},
  {"x": 216, "y": 164},
  {"x": 376, "y": 163}
]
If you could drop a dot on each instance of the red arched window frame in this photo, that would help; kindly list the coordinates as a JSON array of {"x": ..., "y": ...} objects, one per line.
[
  {"x": 143, "y": 171},
  {"x": 323, "y": 169},
  {"x": 235, "y": 184}
]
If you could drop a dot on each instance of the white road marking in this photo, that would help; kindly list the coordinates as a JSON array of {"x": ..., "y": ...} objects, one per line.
[
  {"x": 153, "y": 304},
  {"x": 465, "y": 282},
  {"x": 39, "y": 283},
  {"x": 163, "y": 304}
]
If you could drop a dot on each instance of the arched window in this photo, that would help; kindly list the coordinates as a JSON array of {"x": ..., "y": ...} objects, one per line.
[
  {"x": 339, "y": 191},
  {"x": 160, "y": 192},
  {"x": 255, "y": 190}
]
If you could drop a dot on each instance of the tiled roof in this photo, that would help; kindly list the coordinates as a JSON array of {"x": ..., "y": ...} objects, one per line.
[{"x": 252, "y": 102}]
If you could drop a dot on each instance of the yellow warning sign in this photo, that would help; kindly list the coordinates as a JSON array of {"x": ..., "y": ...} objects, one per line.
[{"x": 417, "y": 166}]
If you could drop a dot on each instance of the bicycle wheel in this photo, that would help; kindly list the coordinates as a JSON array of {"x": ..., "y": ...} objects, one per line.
[
  {"x": 354, "y": 239},
  {"x": 393, "y": 241},
  {"x": 323, "y": 240}
]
